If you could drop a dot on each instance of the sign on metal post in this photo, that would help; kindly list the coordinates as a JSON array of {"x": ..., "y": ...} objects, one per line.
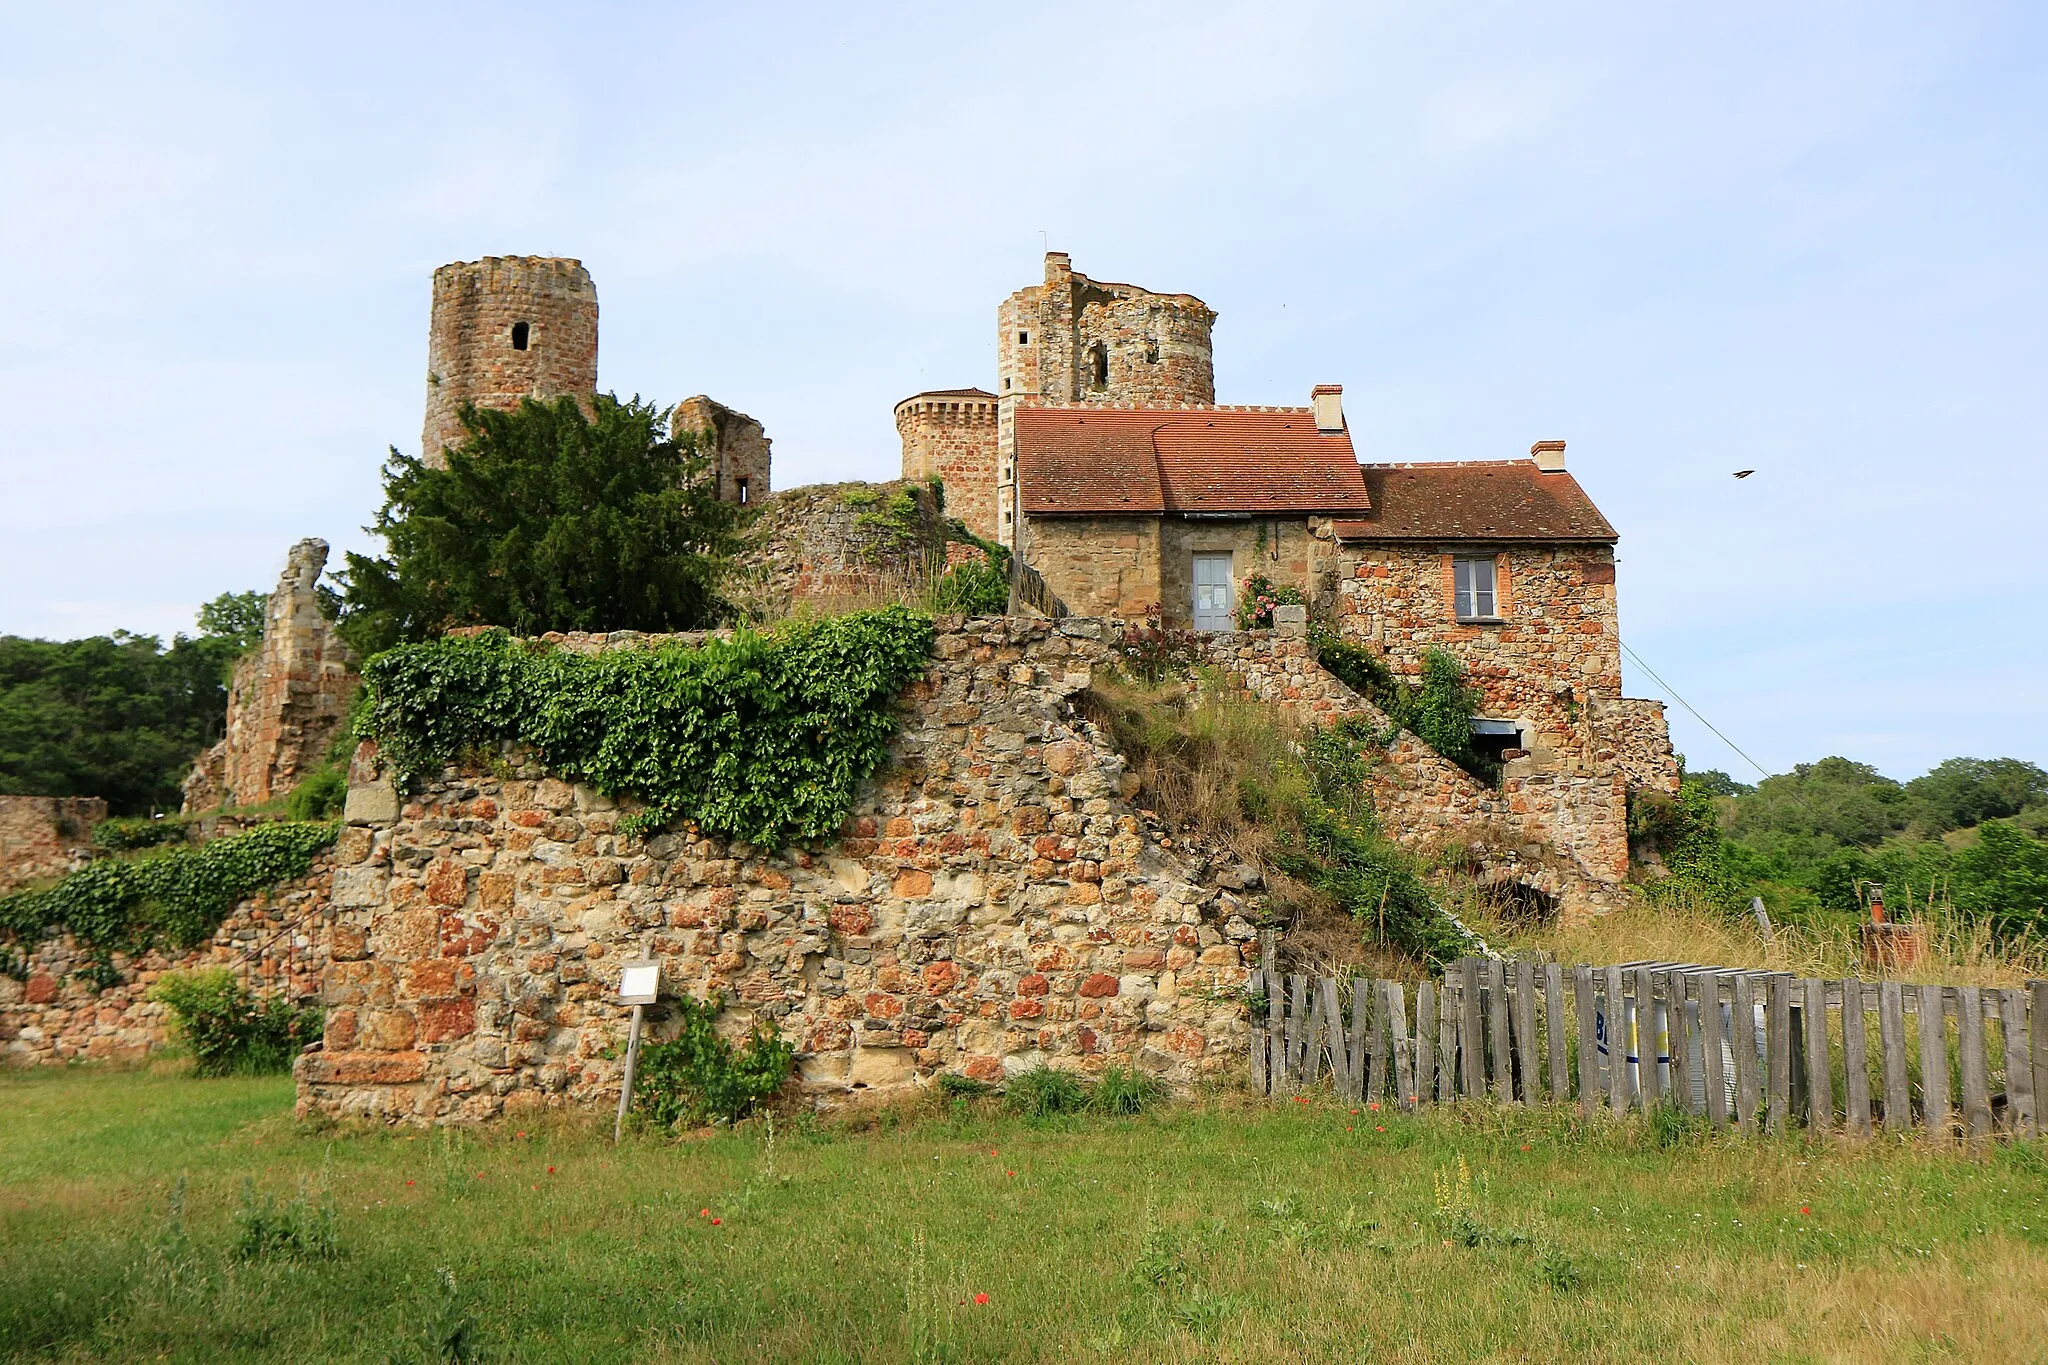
[{"x": 639, "y": 986}]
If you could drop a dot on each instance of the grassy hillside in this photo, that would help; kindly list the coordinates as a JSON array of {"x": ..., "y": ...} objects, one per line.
[{"x": 1222, "y": 1230}]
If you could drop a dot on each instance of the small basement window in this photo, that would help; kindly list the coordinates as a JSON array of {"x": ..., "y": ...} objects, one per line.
[
  {"x": 1498, "y": 740},
  {"x": 520, "y": 333},
  {"x": 1472, "y": 578}
]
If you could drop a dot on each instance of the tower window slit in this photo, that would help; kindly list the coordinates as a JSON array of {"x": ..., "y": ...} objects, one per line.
[{"x": 520, "y": 333}]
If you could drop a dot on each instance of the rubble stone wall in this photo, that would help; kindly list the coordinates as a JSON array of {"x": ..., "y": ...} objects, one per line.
[
  {"x": 1640, "y": 736},
  {"x": 45, "y": 836},
  {"x": 994, "y": 903},
  {"x": 52, "y": 1014},
  {"x": 839, "y": 546},
  {"x": 1565, "y": 834}
]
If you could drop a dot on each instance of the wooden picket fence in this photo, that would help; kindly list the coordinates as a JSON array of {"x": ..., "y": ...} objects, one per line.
[{"x": 1773, "y": 1052}]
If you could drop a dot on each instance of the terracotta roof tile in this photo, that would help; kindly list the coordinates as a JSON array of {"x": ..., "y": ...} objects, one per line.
[
  {"x": 1099, "y": 460},
  {"x": 1487, "y": 500}
]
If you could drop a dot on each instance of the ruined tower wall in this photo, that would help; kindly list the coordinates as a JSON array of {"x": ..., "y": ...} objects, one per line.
[
  {"x": 1077, "y": 340},
  {"x": 739, "y": 447},
  {"x": 506, "y": 328},
  {"x": 953, "y": 436},
  {"x": 288, "y": 699}
]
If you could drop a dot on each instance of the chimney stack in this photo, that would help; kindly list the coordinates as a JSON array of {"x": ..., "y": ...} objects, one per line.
[
  {"x": 1328, "y": 402},
  {"x": 1549, "y": 456}
]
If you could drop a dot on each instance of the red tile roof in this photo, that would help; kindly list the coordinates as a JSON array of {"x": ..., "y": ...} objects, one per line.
[
  {"x": 1488, "y": 500},
  {"x": 1075, "y": 461}
]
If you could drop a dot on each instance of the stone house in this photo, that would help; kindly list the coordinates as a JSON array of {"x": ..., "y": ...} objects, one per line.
[{"x": 1105, "y": 462}]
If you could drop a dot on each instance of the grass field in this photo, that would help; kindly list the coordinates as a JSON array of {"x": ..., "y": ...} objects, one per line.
[{"x": 1213, "y": 1230}]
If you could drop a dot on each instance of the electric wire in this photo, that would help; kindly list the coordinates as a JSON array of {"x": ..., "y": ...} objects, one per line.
[{"x": 1642, "y": 664}]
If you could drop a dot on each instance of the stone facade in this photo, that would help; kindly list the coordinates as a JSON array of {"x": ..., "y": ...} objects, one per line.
[
  {"x": 1103, "y": 566},
  {"x": 1564, "y": 834},
  {"x": 994, "y": 903},
  {"x": 1549, "y": 661},
  {"x": 45, "y": 836},
  {"x": 502, "y": 329},
  {"x": 277, "y": 941},
  {"x": 951, "y": 436},
  {"x": 736, "y": 443},
  {"x": 1640, "y": 737},
  {"x": 288, "y": 699}
]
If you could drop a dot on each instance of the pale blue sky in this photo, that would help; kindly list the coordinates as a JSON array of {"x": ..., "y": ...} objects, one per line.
[{"x": 1686, "y": 239}]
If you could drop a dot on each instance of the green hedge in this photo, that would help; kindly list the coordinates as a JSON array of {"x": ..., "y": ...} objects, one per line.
[
  {"x": 177, "y": 896},
  {"x": 762, "y": 737}
]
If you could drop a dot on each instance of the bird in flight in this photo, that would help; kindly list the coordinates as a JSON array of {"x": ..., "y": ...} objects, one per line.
[{"x": 1744, "y": 473}]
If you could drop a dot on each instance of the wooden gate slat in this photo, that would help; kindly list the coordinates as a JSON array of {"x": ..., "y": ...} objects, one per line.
[
  {"x": 1617, "y": 1044},
  {"x": 1361, "y": 1021},
  {"x": 2019, "y": 1070},
  {"x": 1333, "y": 1020},
  {"x": 1589, "y": 1048},
  {"x": 1376, "y": 1054},
  {"x": 1425, "y": 1040},
  {"x": 1778, "y": 1043},
  {"x": 1528, "y": 1068},
  {"x": 1971, "y": 1062},
  {"x": 1497, "y": 1030},
  {"x": 1713, "y": 1066},
  {"x": 1742, "y": 1023},
  {"x": 1820, "y": 1093},
  {"x": 1471, "y": 1043},
  {"x": 1680, "y": 1029},
  {"x": 1934, "y": 1099},
  {"x": 1394, "y": 1009},
  {"x": 1449, "y": 1007},
  {"x": 1855, "y": 1061},
  {"x": 1554, "y": 1028},
  {"x": 2037, "y": 1050},
  {"x": 1649, "y": 1084},
  {"x": 1891, "y": 1047}
]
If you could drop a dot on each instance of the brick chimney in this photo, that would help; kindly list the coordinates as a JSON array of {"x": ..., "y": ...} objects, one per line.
[
  {"x": 1549, "y": 456},
  {"x": 1328, "y": 402}
]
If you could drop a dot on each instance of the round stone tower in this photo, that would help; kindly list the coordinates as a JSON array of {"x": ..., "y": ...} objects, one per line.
[
  {"x": 951, "y": 433},
  {"x": 506, "y": 328},
  {"x": 1077, "y": 340}
]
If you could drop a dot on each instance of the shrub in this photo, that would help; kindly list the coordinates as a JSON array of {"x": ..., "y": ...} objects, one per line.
[
  {"x": 973, "y": 588},
  {"x": 1126, "y": 1090},
  {"x": 1152, "y": 655},
  {"x": 761, "y": 737},
  {"x": 129, "y": 834},
  {"x": 953, "y": 1084},
  {"x": 297, "y": 1229},
  {"x": 176, "y": 895},
  {"x": 230, "y": 1030},
  {"x": 699, "y": 1076},
  {"x": 319, "y": 797},
  {"x": 1043, "y": 1092},
  {"x": 1257, "y": 598}
]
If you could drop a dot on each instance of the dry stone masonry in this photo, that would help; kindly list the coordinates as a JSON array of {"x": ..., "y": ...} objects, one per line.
[
  {"x": 45, "y": 836},
  {"x": 994, "y": 903}
]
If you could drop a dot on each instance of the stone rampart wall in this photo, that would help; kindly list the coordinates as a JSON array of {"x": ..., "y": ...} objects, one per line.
[
  {"x": 45, "y": 836},
  {"x": 837, "y": 547},
  {"x": 52, "y": 1014},
  {"x": 1638, "y": 735},
  {"x": 994, "y": 903}
]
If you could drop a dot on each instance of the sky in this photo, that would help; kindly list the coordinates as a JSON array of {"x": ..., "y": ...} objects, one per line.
[{"x": 1687, "y": 240}]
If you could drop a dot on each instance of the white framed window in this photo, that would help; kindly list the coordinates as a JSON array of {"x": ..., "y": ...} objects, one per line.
[{"x": 1472, "y": 577}]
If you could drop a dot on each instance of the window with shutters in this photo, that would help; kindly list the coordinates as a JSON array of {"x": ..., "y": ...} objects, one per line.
[{"x": 1473, "y": 578}]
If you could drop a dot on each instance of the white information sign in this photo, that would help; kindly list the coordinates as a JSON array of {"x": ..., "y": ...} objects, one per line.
[{"x": 639, "y": 983}]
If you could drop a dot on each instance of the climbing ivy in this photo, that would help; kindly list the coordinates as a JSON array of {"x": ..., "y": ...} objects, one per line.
[
  {"x": 762, "y": 736},
  {"x": 175, "y": 897}
]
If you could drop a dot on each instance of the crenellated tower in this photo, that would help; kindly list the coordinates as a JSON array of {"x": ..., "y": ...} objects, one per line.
[
  {"x": 506, "y": 328},
  {"x": 951, "y": 434}
]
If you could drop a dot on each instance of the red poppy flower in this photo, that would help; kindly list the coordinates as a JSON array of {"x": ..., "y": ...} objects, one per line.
[
  {"x": 716, "y": 1222},
  {"x": 408, "y": 1182},
  {"x": 1804, "y": 1209},
  {"x": 981, "y": 1298},
  {"x": 551, "y": 1170},
  {"x": 703, "y": 1213}
]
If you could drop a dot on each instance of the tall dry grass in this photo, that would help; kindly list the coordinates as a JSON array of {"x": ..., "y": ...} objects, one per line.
[{"x": 1959, "y": 951}]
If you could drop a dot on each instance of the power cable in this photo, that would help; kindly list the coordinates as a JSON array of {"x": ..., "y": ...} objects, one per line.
[{"x": 1640, "y": 663}]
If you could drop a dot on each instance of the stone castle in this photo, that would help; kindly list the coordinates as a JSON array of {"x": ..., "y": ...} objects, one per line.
[{"x": 998, "y": 899}]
